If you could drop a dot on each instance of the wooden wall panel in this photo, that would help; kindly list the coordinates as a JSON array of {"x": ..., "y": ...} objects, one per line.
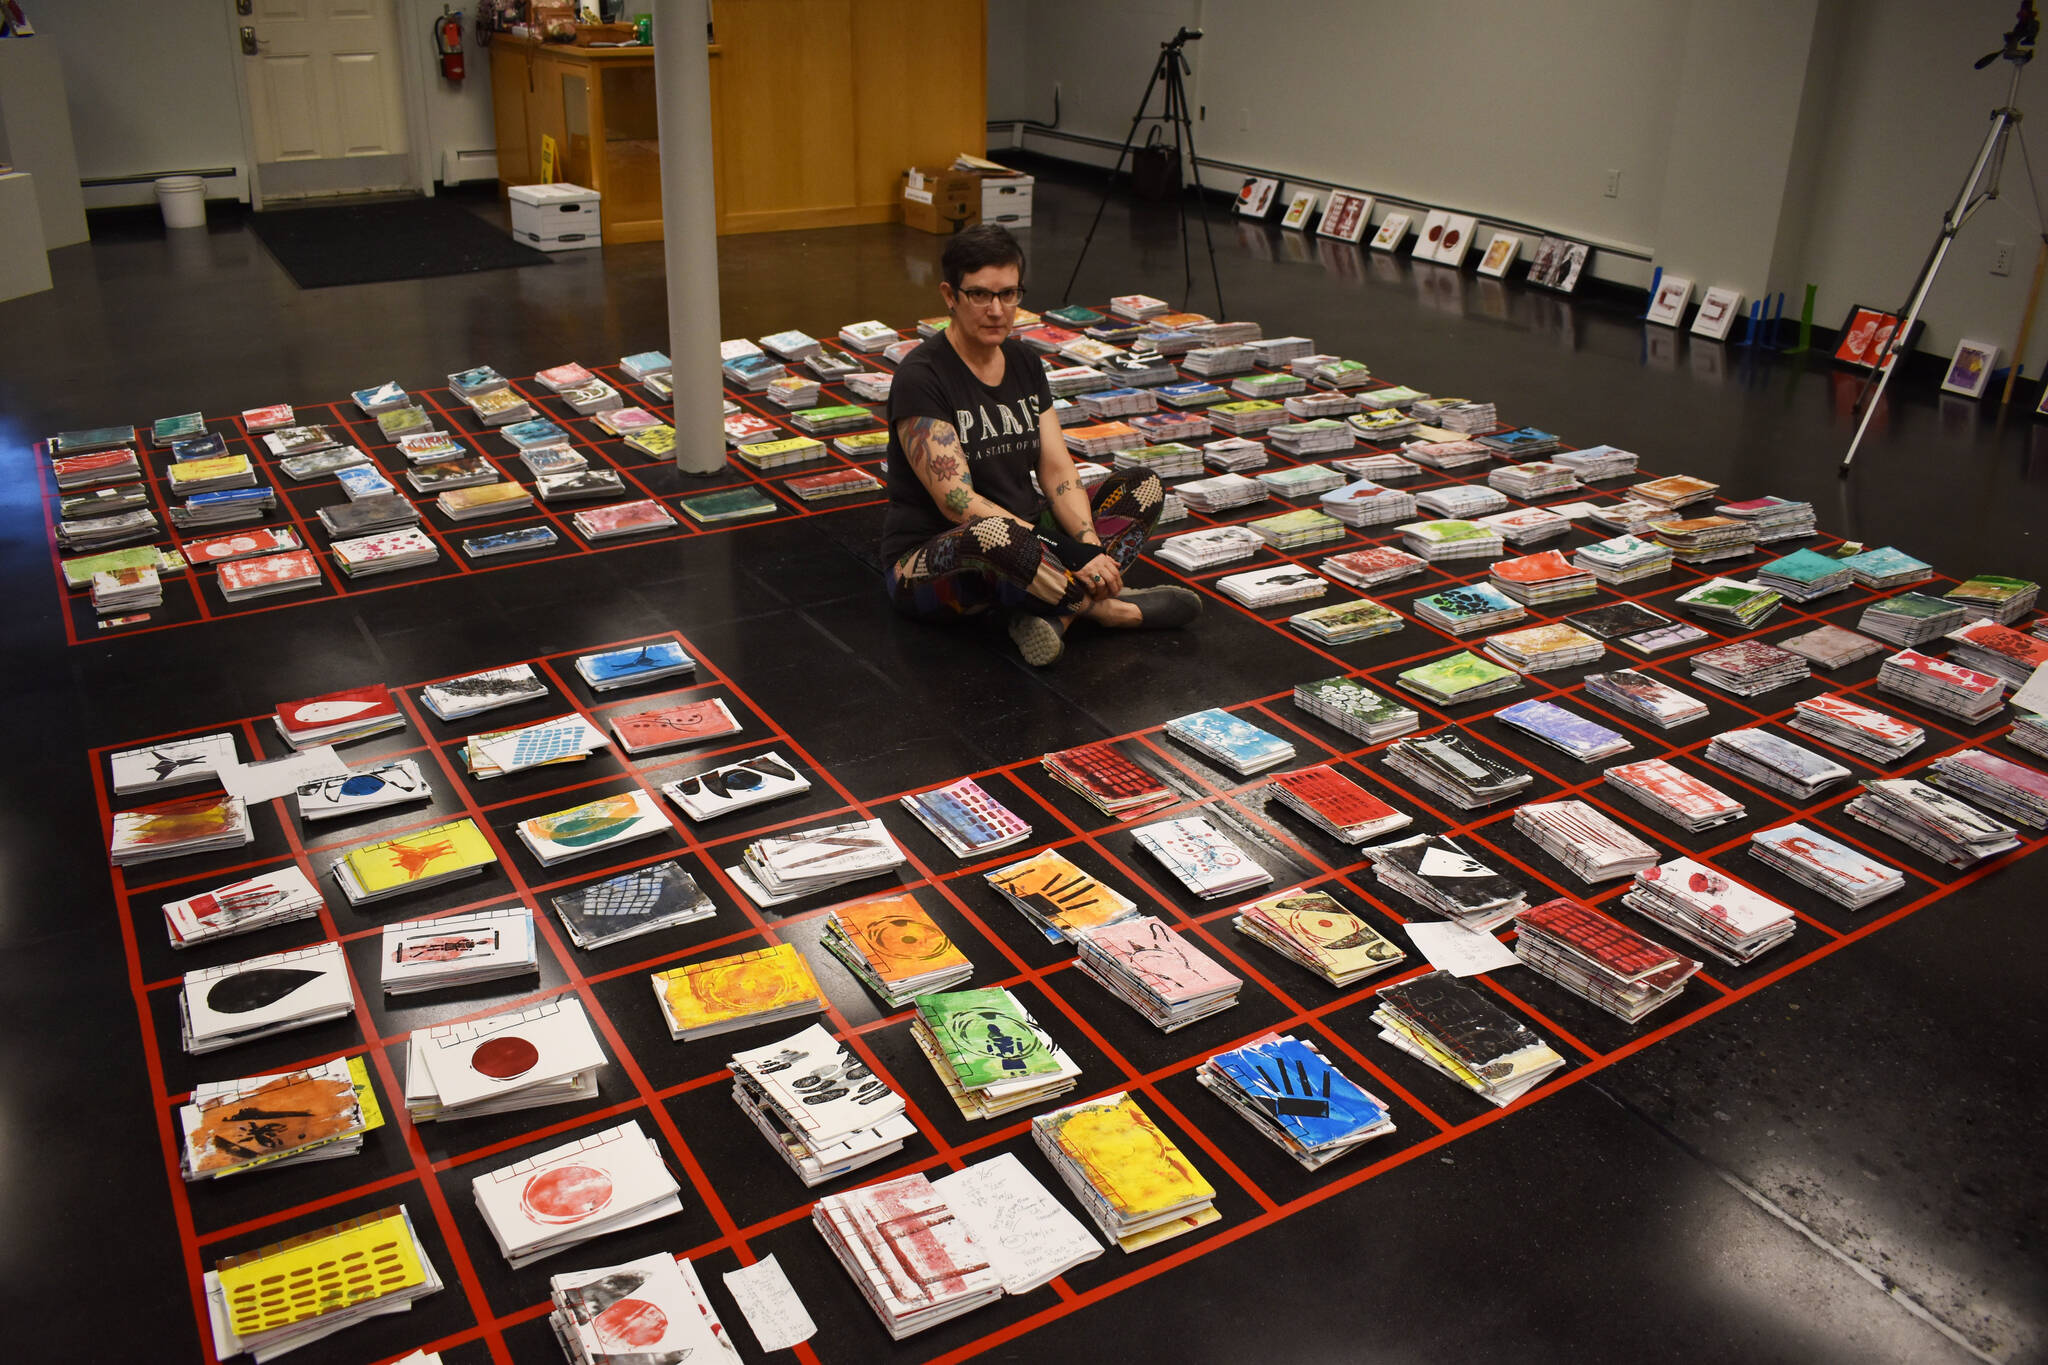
[
  {"x": 921, "y": 87},
  {"x": 786, "y": 89}
]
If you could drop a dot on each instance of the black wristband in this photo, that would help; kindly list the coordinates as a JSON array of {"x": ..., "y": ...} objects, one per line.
[{"x": 1072, "y": 550}]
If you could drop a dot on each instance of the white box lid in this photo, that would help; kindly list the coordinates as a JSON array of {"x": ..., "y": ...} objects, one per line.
[{"x": 557, "y": 193}]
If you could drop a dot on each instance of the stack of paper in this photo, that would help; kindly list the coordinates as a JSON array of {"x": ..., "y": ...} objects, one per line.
[
  {"x": 1541, "y": 648},
  {"x": 1988, "y": 596},
  {"x": 1384, "y": 468},
  {"x": 1110, "y": 782},
  {"x": 1831, "y": 647},
  {"x": 1742, "y": 605},
  {"x": 819, "y": 1105},
  {"x": 1839, "y": 872},
  {"x": 966, "y": 818},
  {"x": 1469, "y": 609},
  {"x": 474, "y": 693},
  {"x": 1325, "y": 403},
  {"x": 1522, "y": 443},
  {"x": 1886, "y": 568},
  {"x": 1939, "y": 824},
  {"x": 1569, "y": 733},
  {"x": 913, "y": 1260},
  {"x": 1201, "y": 857},
  {"x": 1216, "y": 361},
  {"x": 1372, "y": 566},
  {"x": 565, "y": 739},
  {"x": 243, "y": 1001},
  {"x": 1168, "y": 428},
  {"x": 1699, "y": 540},
  {"x": 1526, "y": 526},
  {"x": 1028, "y": 1236},
  {"x": 1230, "y": 740},
  {"x": 1436, "y": 541},
  {"x": 1749, "y": 668},
  {"x": 1595, "y": 847},
  {"x": 718, "y": 995},
  {"x": 617, "y": 668},
  {"x": 1301, "y": 481},
  {"x": 457, "y": 950},
  {"x": 1312, "y": 929},
  {"x": 1779, "y": 764},
  {"x": 1335, "y": 804},
  {"x": 1462, "y": 500},
  {"x": 1297, "y": 530},
  {"x": 989, "y": 1053},
  {"x": 388, "y": 552},
  {"x": 1596, "y": 464},
  {"x": 1221, "y": 492},
  {"x": 197, "y": 824},
  {"x": 1247, "y": 416},
  {"x": 315, "y": 1114},
  {"x": 1600, "y": 960},
  {"x": 786, "y": 867},
  {"x": 1537, "y": 479},
  {"x": 1624, "y": 559},
  {"x": 2011, "y": 789},
  {"x": 1156, "y": 970},
  {"x": 175, "y": 763},
  {"x": 654, "y": 1308},
  {"x": 1676, "y": 795},
  {"x": 1459, "y": 677},
  {"x": 1365, "y": 503},
  {"x": 1455, "y": 1029},
  {"x": 1733, "y": 922},
  {"x": 1317, "y": 436},
  {"x": 1103, "y": 438},
  {"x": 1346, "y": 623},
  {"x": 249, "y": 1310},
  {"x": 1461, "y": 415},
  {"x": 1804, "y": 575},
  {"x": 1435, "y": 873},
  {"x": 1104, "y": 404},
  {"x": 1853, "y": 726},
  {"x": 1058, "y": 897},
  {"x": 1128, "y": 1174},
  {"x": 1287, "y": 1089},
  {"x": 371, "y": 787},
  {"x": 2030, "y": 732},
  {"x": 1270, "y": 587},
  {"x": 1999, "y": 650},
  {"x": 1171, "y": 461},
  {"x": 1377, "y": 423},
  {"x": 1644, "y": 697},
  {"x": 412, "y": 862},
  {"x": 1234, "y": 454},
  {"x": 631, "y": 904},
  {"x": 1679, "y": 490},
  {"x": 1205, "y": 549},
  {"x": 1772, "y": 518},
  {"x": 240, "y": 907},
  {"x": 607, "y": 1181},
  {"x": 269, "y": 574},
  {"x": 1949, "y": 688},
  {"x": 593, "y": 827},
  {"x": 665, "y": 727},
  {"x": 895, "y": 949},
  {"x": 1911, "y": 618},
  {"x": 501, "y": 408},
  {"x": 1354, "y": 708}
]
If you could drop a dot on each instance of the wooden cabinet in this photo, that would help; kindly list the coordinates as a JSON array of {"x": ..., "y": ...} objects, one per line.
[{"x": 817, "y": 106}]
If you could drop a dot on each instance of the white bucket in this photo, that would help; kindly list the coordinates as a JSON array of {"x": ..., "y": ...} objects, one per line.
[{"x": 183, "y": 201}]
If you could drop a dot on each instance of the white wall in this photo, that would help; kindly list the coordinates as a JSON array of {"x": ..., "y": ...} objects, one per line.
[{"x": 1760, "y": 145}]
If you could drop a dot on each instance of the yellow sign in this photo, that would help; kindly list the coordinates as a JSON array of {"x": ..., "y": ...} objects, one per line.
[{"x": 547, "y": 159}]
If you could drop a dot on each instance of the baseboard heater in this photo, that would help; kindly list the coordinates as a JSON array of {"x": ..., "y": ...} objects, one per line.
[
  {"x": 460, "y": 167},
  {"x": 151, "y": 177}
]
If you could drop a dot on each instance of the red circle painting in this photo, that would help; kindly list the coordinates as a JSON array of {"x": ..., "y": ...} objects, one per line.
[
  {"x": 566, "y": 1194},
  {"x": 631, "y": 1322},
  {"x": 503, "y": 1058}
]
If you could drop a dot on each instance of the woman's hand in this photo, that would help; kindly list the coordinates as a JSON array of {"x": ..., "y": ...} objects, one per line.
[{"x": 1100, "y": 578}]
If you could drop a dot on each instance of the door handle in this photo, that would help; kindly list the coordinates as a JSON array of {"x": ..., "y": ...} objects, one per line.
[{"x": 248, "y": 41}]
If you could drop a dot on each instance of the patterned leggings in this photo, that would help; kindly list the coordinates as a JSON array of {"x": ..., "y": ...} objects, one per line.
[{"x": 991, "y": 561}]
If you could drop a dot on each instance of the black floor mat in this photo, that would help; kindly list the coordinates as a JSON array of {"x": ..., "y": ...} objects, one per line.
[{"x": 405, "y": 239}]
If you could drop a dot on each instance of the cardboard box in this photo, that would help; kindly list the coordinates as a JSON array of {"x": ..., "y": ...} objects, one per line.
[
  {"x": 556, "y": 217},
  {"x": 941, "y": 201},
  {"x": 1006, "y": 199}
]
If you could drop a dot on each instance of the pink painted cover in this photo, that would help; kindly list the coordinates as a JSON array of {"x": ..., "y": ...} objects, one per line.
[
  {"x": 2016, "y": 645},
  {"x": 240, "y": 544},
  {"x": 1858, "y": 717},
  {"x": 256, "y": 573},
  {"x": 1712, "y": 895},
  {"x": 625, "y": 515},
  {"x": 565, "y": 376},
  {"x": 1374, "y": 559},
  {"x": 370, "y": 549},
  {"x": 1158, "y": 957},
  {"x": 2032, "y": 781},
  {"x": 1947, "y": 674},
  {"x": 267, "y": 419},
  {"x": 914, "y": 1251},
  {"x": 1674, "y": 787}
]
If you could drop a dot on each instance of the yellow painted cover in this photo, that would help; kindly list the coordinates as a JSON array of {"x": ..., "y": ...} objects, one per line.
[
  {"x": 1338, "y": 940},
  {"x": 898, "y": 938},
  {"x": 1126, "y": 1157},
  {"x": 453, "y": 847},
  {"x": 1062, "y": 892},
  {"x": 654, "y": 440},
  {"x": 199, "y": 471},
  {"x": 318, "y": 1272},
  {"x": 483, "y": 495},
  {"x": 702, "y": 994}
]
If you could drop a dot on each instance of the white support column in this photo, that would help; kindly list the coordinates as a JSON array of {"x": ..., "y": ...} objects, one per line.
[{"x": 682, "y": 102}]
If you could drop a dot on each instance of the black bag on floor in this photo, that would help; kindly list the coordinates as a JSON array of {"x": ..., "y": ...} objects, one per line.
[{"x": 1155, "y": 167}]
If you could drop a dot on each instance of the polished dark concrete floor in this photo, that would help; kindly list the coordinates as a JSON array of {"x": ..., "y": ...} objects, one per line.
[{"x": 1845, "y": 1166}]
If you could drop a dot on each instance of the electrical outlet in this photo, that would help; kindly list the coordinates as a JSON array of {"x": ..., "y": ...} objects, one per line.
[
  {"x": 1613, "y": 184},
  {"x": 2001, "y": 263}
]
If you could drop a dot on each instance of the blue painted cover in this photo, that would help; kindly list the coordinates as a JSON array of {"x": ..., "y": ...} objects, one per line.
[
  {"x": 1239, "y": 741},
  {"x": 1583, "y": 739},
  {"x": 630, "y": 663},
  {"x": 1313, "y": 1101}
]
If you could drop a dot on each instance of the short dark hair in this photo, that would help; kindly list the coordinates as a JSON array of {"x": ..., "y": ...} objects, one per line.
[{"x": 978, "y": 248}]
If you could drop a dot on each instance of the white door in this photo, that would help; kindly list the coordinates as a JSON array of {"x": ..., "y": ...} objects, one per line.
[{"x": 326, "y": 102}]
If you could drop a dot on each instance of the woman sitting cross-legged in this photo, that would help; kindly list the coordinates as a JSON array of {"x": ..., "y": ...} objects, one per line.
[{"x": 970, "y": 421}]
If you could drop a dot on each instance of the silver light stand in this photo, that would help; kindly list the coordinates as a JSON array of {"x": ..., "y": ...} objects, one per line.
[
  {"x": 1171, "y": 66},
  {"x": 1990, "y": 164}
]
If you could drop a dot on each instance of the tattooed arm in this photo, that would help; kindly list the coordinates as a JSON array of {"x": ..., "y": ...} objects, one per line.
[
  {"x": 933, "y": 448},
  {"x": 1062, "y": 482}
]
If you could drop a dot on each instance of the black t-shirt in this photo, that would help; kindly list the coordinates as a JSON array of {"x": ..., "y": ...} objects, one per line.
[{"x": 998, "y": 429}]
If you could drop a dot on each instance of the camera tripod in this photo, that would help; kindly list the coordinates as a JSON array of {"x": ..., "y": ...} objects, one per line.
[
  {"x": 1979, "y": 189},
  {"x": 1170, "y": 68}
]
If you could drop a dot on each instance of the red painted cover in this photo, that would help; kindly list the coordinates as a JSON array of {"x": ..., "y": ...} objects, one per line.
[
  {"x": 1616, "y": 947},
  {"x": 687, "y": 723},
  {"x": 1333, "y": 796},
  {"x": 355, "y": 705}
]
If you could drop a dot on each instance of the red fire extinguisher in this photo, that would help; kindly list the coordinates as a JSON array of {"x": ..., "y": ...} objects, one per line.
[{"x": 448, "y": 41}]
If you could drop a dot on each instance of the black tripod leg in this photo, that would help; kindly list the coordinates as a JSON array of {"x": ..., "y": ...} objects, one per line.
[
  {"x": 1202, "y": 196},
  {"x": 1067, "y": 294},
  {"x": 1177, "y": 112}
]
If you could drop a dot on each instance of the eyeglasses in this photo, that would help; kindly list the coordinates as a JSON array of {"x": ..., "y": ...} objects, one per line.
[{"x": 982, "y": 298}]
